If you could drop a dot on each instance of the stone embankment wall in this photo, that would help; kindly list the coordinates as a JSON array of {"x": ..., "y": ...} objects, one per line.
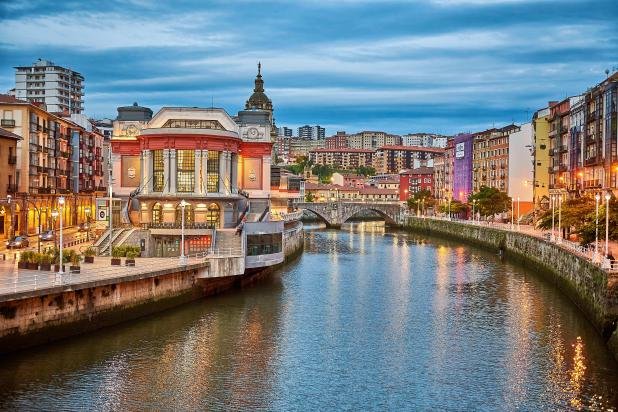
[
  {"x": 594, "y": 290},
  {"x": 293, "y": 239}
]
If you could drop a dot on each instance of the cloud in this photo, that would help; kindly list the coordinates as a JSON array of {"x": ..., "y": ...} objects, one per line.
[{"x": 94, "y": 31}]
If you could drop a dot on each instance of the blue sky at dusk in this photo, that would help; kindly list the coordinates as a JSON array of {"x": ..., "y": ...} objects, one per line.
[{"x": 401, "y": 66}]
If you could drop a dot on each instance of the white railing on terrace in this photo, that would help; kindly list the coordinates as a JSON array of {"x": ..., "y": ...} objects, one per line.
[{"x": 585, "y": 251}]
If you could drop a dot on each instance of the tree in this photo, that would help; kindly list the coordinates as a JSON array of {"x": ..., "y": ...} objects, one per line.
[
  {"x": 422, "y": 198},
  {"x": 324, "y": 172},
  {"x": 366, "y": 171},
  {"x": 455, "y": 208},
  {"x": 490, "y": 201}
]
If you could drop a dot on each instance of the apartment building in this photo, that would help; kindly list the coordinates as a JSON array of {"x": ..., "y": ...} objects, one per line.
[
  {"x": 338, "y": 141},
  {"x": 59, "y": 88},
  {"x": 348, "y": 159},
  {"x": 393, "y": 159},
  {"x": 415, "y": 180},
  {"x": 491, "y": 158},
  {"x": 372, "y": 140}
]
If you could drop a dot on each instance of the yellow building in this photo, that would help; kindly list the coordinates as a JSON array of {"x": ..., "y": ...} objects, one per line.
[{"x": 540, "y": 123}]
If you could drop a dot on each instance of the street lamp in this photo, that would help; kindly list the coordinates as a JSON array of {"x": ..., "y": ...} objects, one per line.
[
  {"x": 597, "y": 197},
  {"x": 473, "y": 212},
  {"x": 54, "y": 215},
  {"x": 449, "y": 208},
  {"x": 607, "y": 197},
  {"x": 518, "y": 214},
  {"x": 61, "y": 207},
  {"x": 552, "y": 200},
  {"x": 183, "y": 258},
  {"x": 87, "y": 210},
  {"x": 512, "y": 212},
  {"x": 560, "y": 219}
]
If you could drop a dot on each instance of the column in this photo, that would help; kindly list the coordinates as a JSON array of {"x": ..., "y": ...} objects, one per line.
[
  {"x": 197, "y": 186},
  {"x": 166, "y": 171},
  {"x": 265, "y": 172},
  {"x": 145, "y": 172},
  {"x": 204, "y": 183},
  {"x": 222, "y": 174},
  {"x": 173, "y": 170},
  {"x": 234, "y": 173}
]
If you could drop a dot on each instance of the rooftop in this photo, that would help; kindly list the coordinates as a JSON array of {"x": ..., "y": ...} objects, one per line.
[
  {"x": 9, "y": 135},
  {"x": 412, "y": 148}
]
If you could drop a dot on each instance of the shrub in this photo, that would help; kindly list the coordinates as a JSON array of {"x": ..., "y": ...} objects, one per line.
[
  {"x": 90, "y": 252},
  {"x": 131, "y": 254},
  {"x": 25, "y": 256},
  {"x": 75, "y": 258},
  {"x": 45, "y": 259},
  {"x": 119, "y": 251}
]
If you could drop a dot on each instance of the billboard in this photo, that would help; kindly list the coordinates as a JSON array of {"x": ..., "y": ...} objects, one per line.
[{"x": 460, "y": 150}]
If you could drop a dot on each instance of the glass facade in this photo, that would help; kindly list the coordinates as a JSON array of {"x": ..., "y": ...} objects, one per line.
[
  {"x": 157, "y": 213},
  {"x": 158, "y": 178},
  {"x": 185, "y": 170},
  {"x": 212, "y": 169},
  {"x": 193, "y": 124},
  {"x": 265, "y": 244}
]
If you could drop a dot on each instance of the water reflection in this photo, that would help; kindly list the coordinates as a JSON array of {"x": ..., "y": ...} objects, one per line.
[{"x": 365, "y": 319}]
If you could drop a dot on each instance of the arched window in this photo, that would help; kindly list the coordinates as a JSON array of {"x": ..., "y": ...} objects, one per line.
[
  {"x": 188, "y": 214},
  {"x": 157, "y": 214},
  {"x": 213, "y": 215}
]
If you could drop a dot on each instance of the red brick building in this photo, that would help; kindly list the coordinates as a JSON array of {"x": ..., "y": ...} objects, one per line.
[
  {"x": 415, "y": 180},
  {"x": 338, "y": 141}
]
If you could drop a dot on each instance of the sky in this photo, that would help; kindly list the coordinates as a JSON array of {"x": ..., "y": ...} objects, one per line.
[{"x": 401, "y": 66}]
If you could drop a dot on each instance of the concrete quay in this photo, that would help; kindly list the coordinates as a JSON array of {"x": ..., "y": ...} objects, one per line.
[{"x": 593, "y": 289}]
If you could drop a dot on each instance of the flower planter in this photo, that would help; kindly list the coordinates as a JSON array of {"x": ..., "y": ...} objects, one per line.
[
  {"x": 22, "y": 265},
  {"x": 74, "y": 269},
  {"x": 57, "y": 268},
  {"x": 129, "y": 262},
  {"x": 33, "y": 266},
  {"x": 115, "y": 261},
  {"x": 89, "y": 259},
  {"x": 45, "y": 266}
]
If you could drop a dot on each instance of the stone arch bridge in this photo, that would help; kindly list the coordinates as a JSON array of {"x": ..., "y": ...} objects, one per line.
[{"x": 337, "y": 213}]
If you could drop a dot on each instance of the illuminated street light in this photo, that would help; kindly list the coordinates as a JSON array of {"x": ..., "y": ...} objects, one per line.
[
  {"x": 607, "y": 197},
  {"x": 61, "y": 207},
  {"x": 597, "y": 197},
  {"x": 559, "y": 219},
  {"x": 183, "y": 258},
  {"x": 551, "y": 201},
  {"x": 518, "y": 215}
]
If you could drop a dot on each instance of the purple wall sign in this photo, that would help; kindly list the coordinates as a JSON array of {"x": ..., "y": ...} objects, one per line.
[{"x": 462, "y": 167}]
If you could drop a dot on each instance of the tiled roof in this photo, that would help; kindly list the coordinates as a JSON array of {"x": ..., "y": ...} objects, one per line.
[
  {"x": 9, "y": 135},
  {"x": 368, "y": 190},
  {"x": 342, "y": 150},
  {"x": 412, "y": 148},
  {"x": 5, "y": 98}
]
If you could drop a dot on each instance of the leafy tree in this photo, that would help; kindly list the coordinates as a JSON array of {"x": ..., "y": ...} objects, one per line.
[
  {"x": 456, "y": 207},
  {"x": 422, "y": 198},
  {"x": 490, "y": 201},
  {"x": 366, "y": 171},
  {"x": 324, "y": 172}
]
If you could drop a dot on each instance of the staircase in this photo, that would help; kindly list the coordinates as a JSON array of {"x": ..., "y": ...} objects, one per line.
[
  {"x": 102, "y": 244},
  {"x": 227, "y": 241},
  {"x": 125, "y": 236},
  {"x": 258, "y": 210}
]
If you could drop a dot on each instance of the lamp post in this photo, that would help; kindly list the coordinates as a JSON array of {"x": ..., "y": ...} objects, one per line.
[
  {"x": 512, "y": 211},
  {"x": 552, "y": 201},
  {"x": 449, "y": 208},
  {"x": 183, "y": 258},
  {"x": 597, "y": 197},
  {"x": 473, "y": 212},
  {"x": 87, "y": 210},
  {"x": 61, "y": 209},
  {"x": 518, "y": 215},
  {"x": 54, "y": 215},
  {"x": 607, "y": 197},
  {"x": 560, "y": 219}
]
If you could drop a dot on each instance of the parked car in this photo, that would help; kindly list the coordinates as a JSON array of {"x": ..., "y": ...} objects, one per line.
[
  {"x": 47, "y": 235},
  {"x": 17, "y": 242},
  {"x": 83, "y": 227}
]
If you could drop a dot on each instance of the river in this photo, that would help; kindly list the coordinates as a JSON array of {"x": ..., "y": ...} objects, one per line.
[{"x": 364, "y": 319}]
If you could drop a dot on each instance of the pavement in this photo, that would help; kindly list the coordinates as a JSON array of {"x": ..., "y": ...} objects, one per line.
[
  {"x": 14, "y": 280},
  {"x": 69, "y": 236}
]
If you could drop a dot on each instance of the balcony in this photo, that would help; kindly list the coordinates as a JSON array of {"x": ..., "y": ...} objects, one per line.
[
  {"x": 552, "y": 152},
  {"x": 7, "y": 123},
  {"x": 11, "y": 188},
  {"x": 12, "y": 159},
  {"x": 564, "y": 148},
  {"x": 591, "y": 161}
]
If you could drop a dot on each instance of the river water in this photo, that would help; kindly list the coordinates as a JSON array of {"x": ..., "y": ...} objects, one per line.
[{"x": 365, "y": 319}]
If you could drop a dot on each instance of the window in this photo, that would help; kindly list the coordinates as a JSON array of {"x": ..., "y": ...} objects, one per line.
[
  {"x": 185, "y": 170},
  {"x": 158, "y": 181},
  {"x": 212, "y": 169},
  {"x": 188, "y": 214},
  {"x": 265, "y": 244},
  {"x": 212, "y": 216},
  {"x": 193, "y": 124}
]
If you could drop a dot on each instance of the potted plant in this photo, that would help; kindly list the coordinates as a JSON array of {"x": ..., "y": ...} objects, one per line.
[
  {"x": 130, "y": 260},
  {"x": 117, "y": 253},
  {"x": 33, "y": 261},
  {"x": 89, "y": 254},
  {"x": 75, "y": 259},
  {"x": 23, "y": 259},
  {"x": 45, "y": 262}
]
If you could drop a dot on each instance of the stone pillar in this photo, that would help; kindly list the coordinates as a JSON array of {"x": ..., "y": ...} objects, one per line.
[
  {"x": 173, "y": 169},
  {"x": 146, "y": 172},
  {"x": 205, "y": 172},
  {"x": 222, "y": 173},
  {"x": 166, "y": 171},
  {"x": 197, "y": 189},
  {"x": 234, "y": 173},
  {"x": 265, "y": 173}
]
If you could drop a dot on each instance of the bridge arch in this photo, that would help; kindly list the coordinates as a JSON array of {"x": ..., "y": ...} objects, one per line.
[
  {"x": 337, "y": 213},
  {"x": 390, "y": 220},
  {"x": 320, "y": 211}
]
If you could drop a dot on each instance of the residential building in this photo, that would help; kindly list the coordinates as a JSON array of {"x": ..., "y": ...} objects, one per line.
[
  {"x": 415, "y": 180},
  {"x": 559, "y": 127},
  {"x": 331, "y": 192},
  {"x": 541, "y": 160},
  {"x": 372, "y": 140},
  {"x": 8, "y": 160},
  {"x": 59, "y": 88},
  {"x": 46, "y": 160},
  {"x": 519, "y": 171},
  {"x": 462, "y": 167},
  {"x": 376, "y": 194},
  {"x": 302, "y": 147},
  {"x": 491, "y": 158},
  {"x": 338, "y": 141},
  {"x": 311, "y": 132},
  {"x": 281, "y": 148},
  {"x": 393, "y": 159},
  {"x": 348, "y": 180},
  {"x": 424, "y": 139},
  {"x": 384, "y": 182},
  {"x": 285, "y": 131},
  {"x": 347, "y": 159}
]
